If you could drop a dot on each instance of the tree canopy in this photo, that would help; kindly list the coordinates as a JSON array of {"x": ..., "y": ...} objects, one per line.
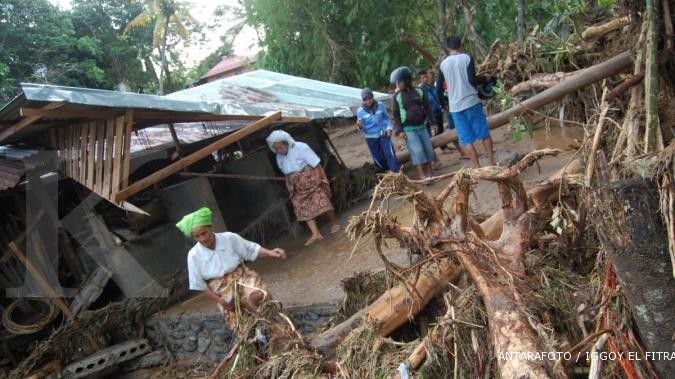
[{"x": 358, "y": 42}]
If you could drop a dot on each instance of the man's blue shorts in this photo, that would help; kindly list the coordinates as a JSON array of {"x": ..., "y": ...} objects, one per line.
[
  {"x": 471, "y": 124},
  {"x": 418, "y": 142}
]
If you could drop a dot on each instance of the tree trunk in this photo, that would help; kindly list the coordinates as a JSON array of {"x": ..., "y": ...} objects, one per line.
[
  {"x": 469, "y": 14},
  {"x": 572, "y": 84},
  {"x": 442, "y": 231},
  {"x": 520, "y": 20},
  {"x": 393, "y": 309},
  {"x": 652, "y": 128},
  {"x": 410, "y": 41},
  {"x": 631, "y": 209},
  {"x": 162, "y": 53},
  {"x": 605, "y": 28}
]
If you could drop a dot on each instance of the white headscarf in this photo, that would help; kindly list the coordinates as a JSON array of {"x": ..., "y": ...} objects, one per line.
[{"x": 279, "y": 136}]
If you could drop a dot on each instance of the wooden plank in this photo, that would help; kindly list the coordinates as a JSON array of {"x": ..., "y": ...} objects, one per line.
[
  {"x": 76, "y": 158},
  {"x": 129, "y": 126},
  {"x": 65, "y": 113},
  {"x": 100, "y": 150},
  {"x": 81, "y": 162},
  {"x": 107, "y": 167},
  {"x": 117, "y": 155},
  {"x": 91, "y": 155},
  {"x": 27, "y": 121},
  {"x": 74, "y": 150},
  {"x": 196, "y": 156},
  {"x": 82, "y": 158},
  {"x": 65, "y": 152},
  {"x": 61, "y": 133},
  {"x": 175, "y": 139},
  {"x": 41, "y": 280},
  {"x": 168, "y": 116}
]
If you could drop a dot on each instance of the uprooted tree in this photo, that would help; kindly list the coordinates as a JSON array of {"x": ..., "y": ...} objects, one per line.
[{"x": 444, "y": 236}]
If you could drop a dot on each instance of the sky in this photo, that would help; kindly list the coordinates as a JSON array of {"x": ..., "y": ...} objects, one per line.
[{"x": 245, "y": 43}]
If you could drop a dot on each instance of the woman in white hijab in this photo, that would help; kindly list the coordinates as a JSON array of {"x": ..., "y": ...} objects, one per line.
[{"x": 306, "y": 182}]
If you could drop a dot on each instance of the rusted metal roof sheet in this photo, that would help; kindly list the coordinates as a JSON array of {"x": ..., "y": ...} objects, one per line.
[
  {"x": 14, "y": 162},
  {"x": 260, "y": 91}
]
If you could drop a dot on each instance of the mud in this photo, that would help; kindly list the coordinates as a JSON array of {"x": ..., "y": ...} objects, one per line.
[{"x": 312, "y": 275}]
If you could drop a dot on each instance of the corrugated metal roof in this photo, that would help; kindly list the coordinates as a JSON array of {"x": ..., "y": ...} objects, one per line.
[
  {"x": 228, "y": 64},
  {"x": 318, "y": 99},
  {"x": 45, "y": 93}
]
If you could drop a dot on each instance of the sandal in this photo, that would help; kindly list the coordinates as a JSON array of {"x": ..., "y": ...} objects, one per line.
[
  {"x": 312, "y": 240},
  {"x": 335, "y": 228}
]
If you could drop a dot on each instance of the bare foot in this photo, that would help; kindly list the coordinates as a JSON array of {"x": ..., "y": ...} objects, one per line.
[
  {"x": 313, "y": 239},
  {"x": 335, "y": 228}
]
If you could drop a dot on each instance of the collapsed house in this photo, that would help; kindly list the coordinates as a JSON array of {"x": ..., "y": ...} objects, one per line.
[{"x": 93, "y": 181}]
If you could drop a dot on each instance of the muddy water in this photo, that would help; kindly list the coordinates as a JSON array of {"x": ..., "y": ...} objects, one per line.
[
  {"x": 312, "y": 274},
  {"x": 556, "y": 137}
]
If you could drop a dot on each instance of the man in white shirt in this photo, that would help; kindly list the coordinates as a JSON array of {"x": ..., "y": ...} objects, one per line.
[
  {"x": 458, "y": 71},
  {"x": 215, "y": 264}
]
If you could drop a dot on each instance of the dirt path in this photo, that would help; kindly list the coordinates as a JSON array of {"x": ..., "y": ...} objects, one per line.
[{"x": 312, "y": 274}]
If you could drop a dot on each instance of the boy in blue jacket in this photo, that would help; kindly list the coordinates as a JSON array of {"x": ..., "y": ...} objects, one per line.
[{"x": 372, "y": 119}]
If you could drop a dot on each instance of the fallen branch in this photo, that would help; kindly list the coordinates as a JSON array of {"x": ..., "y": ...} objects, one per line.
[
  {"x": 605, "y": 28},
  {"x": 625, "y": 85},
  {"x": 540, "y": 81},
  {"x": 604, "y": 108},
  {"x": 391, "y": 310}
]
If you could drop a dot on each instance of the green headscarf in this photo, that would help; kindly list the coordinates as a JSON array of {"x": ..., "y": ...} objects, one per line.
[{"x": 200, "y": 217}]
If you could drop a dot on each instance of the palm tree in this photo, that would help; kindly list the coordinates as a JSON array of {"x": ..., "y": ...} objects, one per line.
[{"x": 163, "y": 13}]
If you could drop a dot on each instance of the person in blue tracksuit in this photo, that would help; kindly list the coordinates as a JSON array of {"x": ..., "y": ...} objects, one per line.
[{"x": 372, "y": 119}]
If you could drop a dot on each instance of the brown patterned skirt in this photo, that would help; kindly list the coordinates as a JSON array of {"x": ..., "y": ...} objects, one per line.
[
  {"x": 310, "y": 193},
  {"x": 242, "y": 282}
]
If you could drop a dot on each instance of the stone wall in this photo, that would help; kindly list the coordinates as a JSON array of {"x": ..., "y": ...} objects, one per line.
[
  {"x": 189, "y": 335},
  {"x": 206, "y": 334}
]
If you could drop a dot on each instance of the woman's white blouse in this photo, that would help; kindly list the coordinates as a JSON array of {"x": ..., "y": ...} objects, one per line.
[
  {"x": 205, "y": 264},
  {"x": 299, "y": 155}
]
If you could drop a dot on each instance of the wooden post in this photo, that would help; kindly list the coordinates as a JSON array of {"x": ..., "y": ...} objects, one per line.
[
  {"x": 129, "y": 126},
  {"x": 194, "y": 157},
  {"x": 176, "y": 141},
  {"x": 41, "y": 280}
]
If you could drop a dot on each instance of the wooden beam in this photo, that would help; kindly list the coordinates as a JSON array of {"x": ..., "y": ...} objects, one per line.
[
  {"x": 91, "y": 156},
  {"x": 117, "y": 156},
  {"x": 107, "y": 159},
  {"x": 141, "y": 115},
  {"x": 51, "y": 293},
  {"x": 196, "y": 156},
  {"x": 70, "y": 113},
  {"x": 128, "y": 127},
  {"x": 175, "y": 139},
  {"x": 100, "y": 150},
  {"x": 26, "y": 121}
]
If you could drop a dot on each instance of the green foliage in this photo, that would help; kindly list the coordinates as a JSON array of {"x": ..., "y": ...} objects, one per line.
[
  {"x": 517, "y": 127},
  {"x": 352, "y": 42},
  {"x": 167, "y": 17},
  {"x": 357, "y": 42},
  {"x": 79, "y": 47}
]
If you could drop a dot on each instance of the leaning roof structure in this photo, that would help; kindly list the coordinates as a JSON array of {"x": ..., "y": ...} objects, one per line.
[
  {"x": 91, "y": 129},
  {"x": 261, "y": 91}
]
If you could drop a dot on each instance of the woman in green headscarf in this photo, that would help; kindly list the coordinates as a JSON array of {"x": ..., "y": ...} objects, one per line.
[{"x": 215, "y": 264}]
